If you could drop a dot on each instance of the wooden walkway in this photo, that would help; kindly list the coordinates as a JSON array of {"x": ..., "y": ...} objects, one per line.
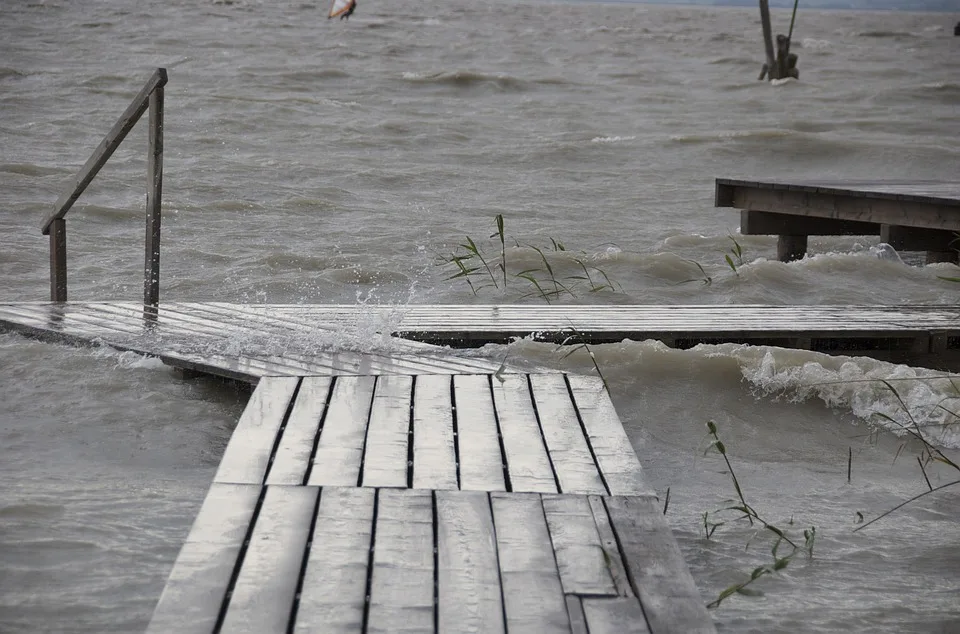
[
  {"x": 296, "y": 340},
  {"x": 429, "y": 503},
  {"x": 908, "y": 215}
]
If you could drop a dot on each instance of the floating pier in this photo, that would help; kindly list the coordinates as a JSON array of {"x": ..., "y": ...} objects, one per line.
[{"x": 908, "y": 215}]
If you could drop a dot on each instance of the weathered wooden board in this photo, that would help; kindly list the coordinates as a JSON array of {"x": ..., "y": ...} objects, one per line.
[
  {"x": 292, "y": 460},
  {"x": 482, "y": 463},
  {"x": 434, "y": 451},
  {"x": 388, "y": 436},
  {"x": 402, "y": 590},
  {"x": 334, "y": 590},
  {"x": 614, "y": 616},
  {"x": 339, "y": 453},
  {"x": 576, "y": 545},
  {"x": 527, "y": 460}
]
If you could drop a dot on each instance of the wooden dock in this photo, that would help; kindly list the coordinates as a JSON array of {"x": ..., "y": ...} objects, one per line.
[
  {"x": 327, "y": 339},
  {"x": 908, "y": 215}
]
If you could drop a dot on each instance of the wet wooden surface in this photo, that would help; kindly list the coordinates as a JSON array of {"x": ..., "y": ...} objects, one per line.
[{"x": 524, "y": 433}]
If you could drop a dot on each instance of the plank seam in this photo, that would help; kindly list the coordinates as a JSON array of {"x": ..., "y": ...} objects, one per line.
[
  {"x": 583, "y": 428},
  {"x": 503, "y": 449},
  {"x": 413, "y": 398},
  {"x": 238, "y": 565},
  {"x": 543, "y": 438},
  {"x": 456, "y": 431},
  {"x": 626, "y": 568},
  {"x": 292, "y": 622},
  {"x": 496, "y": 554},
  {"x": 436, "y": 561},
  {"x": 283, "y": 427},
  {"x": 316, "y": 438},
  {"x": 366, "y": 430},
  {"x": 373, "y": 543}
]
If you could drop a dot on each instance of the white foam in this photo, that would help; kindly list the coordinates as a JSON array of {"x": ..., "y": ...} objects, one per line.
[{"x": 612, "y": 139}]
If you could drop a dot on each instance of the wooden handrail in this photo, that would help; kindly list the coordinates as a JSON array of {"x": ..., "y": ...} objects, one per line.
[{"x": 54, "y": 225}]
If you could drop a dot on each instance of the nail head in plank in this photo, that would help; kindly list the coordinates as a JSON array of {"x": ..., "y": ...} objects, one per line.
[
  {"x": 263, "y": 595},
  {"x": 527, "y": 460},
  {"x": 576, "y": 544},
  {"x": 340, "y": 448},
  {"x": 334, "y": 590},
  {"x": 656, "y": 567},
  {"x": 247, "y": 456},
  {"x": 385, "y": 455},
  {"x": 402, "y": 590},
  {"x": 293, "y": 453},
  {"x": 481, "y": 463},
  {"x": 571, "y": 457},
  {"x": 197, "y": 586},
  {"x": 434, "y": 457},
  {"x": 615, "y": 455},
  {"x": 614, "y": 616},
  {"x": 532, "y": 592},
  {"x": 468, "y": 577}
]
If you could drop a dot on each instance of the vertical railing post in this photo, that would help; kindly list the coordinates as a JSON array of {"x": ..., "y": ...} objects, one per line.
[
  {"x": 768, "y": 40},
  {"x": 58, "y": 260},
  {"x": 151, "y": 256}
]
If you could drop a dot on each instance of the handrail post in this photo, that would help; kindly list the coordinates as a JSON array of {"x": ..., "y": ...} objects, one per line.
[
  {"x": 58, "y": 260},
  {"x": 151, "y": 261}
]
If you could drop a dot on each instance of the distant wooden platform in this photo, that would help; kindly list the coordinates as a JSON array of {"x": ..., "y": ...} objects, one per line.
[
  {"x": 430, "y": 504},
  {"x": 246, "y": 341},
  {"x": 908, "y": 215}
]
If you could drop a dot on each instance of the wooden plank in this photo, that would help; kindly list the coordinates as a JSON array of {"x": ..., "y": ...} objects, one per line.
[
  {"x": 481, "y": 467},
  {"x": 532, "y": 592},
  {"x": 571, "y": 457},
  {"x": 248, "y": 453},
  {"x": 335, "y": 581},
  {"x": 340, "y": 449},
  {"x": 614, "y": 454},
  {"x": 58, "y": 260},
  {"x": 106, "y": 148},
  {"x": 263, "y": 595},
  {"x": 578, "y": 621},
  {"x": 292, "y": 459},
  {"x": 657, "y": 569},
  {"x": 386, "y": 454},
  {"x": 611, "y": 550},
  {"x": 614, "y": 616},
  {"x": 151, "y": 264},
  {"x": 469, "y": 596},
  {"x": 402, "y": 589},
  {"x": 197, "y": 586},
  {"x": 528, "y": 465},
  {"x": 434, "y": 455},
  {"x": 576, "y": 545}
]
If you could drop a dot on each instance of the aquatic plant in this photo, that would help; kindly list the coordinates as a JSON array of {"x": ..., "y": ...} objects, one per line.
[{"x": 473, "y": 262}]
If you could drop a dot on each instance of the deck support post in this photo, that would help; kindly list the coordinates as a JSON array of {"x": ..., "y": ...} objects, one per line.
[
  {"x": 58, "y": 260},
  {"x": 151, "y": 257},
  {"x": 790, "y": 248}
]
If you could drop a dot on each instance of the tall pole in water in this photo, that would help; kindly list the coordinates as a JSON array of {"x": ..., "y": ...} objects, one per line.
[{"x": 768, "y": 40}]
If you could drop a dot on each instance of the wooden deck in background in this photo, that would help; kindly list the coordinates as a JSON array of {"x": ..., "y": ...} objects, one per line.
[
  {"x": 430, "y": 504},
  {"x": 246, "y": 341},
  {"x": 908, "y": 215}
]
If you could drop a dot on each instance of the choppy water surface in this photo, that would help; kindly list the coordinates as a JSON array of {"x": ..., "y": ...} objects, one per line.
[{"x": 315, "y": 161}]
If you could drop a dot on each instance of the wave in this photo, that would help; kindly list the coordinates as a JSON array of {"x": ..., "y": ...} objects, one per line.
[
  {"x": 29, "y": 169},
  {"x": 6, "y": 71},
  {"x": 734, "y": 135},
  {"x": 467, "y": 79},
  {"x": 882, "y": 34}
]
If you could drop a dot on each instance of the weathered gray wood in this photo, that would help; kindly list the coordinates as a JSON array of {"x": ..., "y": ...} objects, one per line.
[
  {"x": 578, "y": 622},
  {"x": 790, "y": 248},
  {"x": 614, "y": 616},
  {"x": 611, "y": 550},
  {"x": 532, "y": 592},
  {"x": 340, "y": 449},
  {"x": 481, "y": 463},
  {"x": 58, "y": 260},
  {"x": 614, "y": 454},
  {"x": 197, "y": 586},
  {"x": 335, "y": 581},
  {"x": 151, "y": 265},
  {"x": 767, "y": 223},
  {"x": 292, "y": 459},
  {"x": 263, "y": 595},
  {"x": 767, "y": 40},
  {"x": 657, "y": 570},
  {"x": 434, "y": 457},
  {"x": 576, "y": 544},
  {"x": 248, "y": 453},
  {"x": 917, "y": 239},
  {"x": 388, "y": 439},
  {"x": 106, "y": 148},
  {"x": 402, "y": 590},
  {"x": 571, "y": 457},
  {"x": 528, "y": 465},
  {"x": 469, "y": 596}
]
